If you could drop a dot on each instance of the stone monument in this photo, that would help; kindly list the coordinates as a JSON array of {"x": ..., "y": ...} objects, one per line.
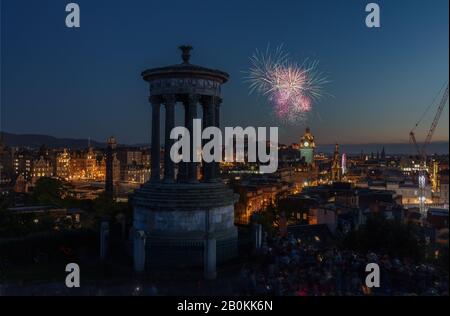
[{"x": 187, "y": 221}]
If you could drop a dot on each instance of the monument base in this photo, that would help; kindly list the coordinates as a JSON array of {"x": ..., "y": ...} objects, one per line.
[{"x": 179, "y": 219}]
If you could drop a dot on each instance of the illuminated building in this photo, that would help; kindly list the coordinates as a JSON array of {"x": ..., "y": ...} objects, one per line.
[
  {"x": 91, "y": 164},
  {"x": 344, "y": 164},
  {"x": 134, "y": 165},
  {"x": 408, "y": 192},
  {"x": 434, "y": 175},
  {"x": 410, "y": 166},
  {"x": 443, "y": 187},
  {"x": 77, "y": 166},
  {"x": 146, "y": 158},
  {"x": 22, "y": 164},
  {"x": 254, "y": 197},
  {"x": 63, "y": 165},
  {"x": 135, "y": 173},
  {"x": 130, "y": 156},
  {"x": 336, "y": 170},
  {"x": 80, "y": 165},
  {"x": 355, "y": 175},
  {"x": 100, "y": 173},
  {"x": 21, "y": 184},
  {"x": 307, "y": 147},
  {"x": 41, "y": 168}
]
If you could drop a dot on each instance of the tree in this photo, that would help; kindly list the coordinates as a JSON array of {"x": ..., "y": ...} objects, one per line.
[
  {"x": 105, "y": 206},
  {"x": 49, "y": 191},
  {"x": 384, "y": 236},
  {"x": 442, "y": 259},
  {"x": 269, "y": 218}
]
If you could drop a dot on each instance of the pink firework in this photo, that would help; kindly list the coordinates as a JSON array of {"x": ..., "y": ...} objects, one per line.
[{"x": 291, "y": 88}]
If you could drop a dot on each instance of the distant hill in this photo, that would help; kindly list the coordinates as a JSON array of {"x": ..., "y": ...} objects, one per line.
[
  {"x": 35, "y": 141},
  {"x": 440, "y": 148}
]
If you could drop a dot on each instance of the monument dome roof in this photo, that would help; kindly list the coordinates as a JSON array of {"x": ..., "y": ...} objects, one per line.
[{"x": 185, "y": 70}]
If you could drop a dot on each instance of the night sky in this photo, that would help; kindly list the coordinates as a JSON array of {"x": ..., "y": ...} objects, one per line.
[{"x": 86, "y": 82}]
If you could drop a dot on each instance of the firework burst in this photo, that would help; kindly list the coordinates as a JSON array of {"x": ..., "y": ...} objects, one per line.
[{"x": 290, "y": 87}]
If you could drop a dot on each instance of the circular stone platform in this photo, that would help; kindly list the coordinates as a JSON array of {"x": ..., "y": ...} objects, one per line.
[{"x": 174, "y": 218}]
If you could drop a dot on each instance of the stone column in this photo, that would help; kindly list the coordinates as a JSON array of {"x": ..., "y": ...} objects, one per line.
[
  {"x": 121, "y": 219},
  {"x": 257, "y": 236},
  {"x": 192, "y": 114},
  {"x": 215, "y": 176},
  {"x": 209, "y": 253},
  {"x": 217, "y": 103},
  {"x": 104, "y": 239},
  {"x": 183, "y": 171},
  {"x": 139, "y": 250},
  {"x": 169, "y": 166},
  {"x": 156, "y": 143},
  {"x": 208, "y": 121}
]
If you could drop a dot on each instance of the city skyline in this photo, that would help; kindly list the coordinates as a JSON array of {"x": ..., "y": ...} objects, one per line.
[
  {"x": 36, "y": 140},
  {"x": 381, "y": 80},
  {"x": 233, "y": 152}
]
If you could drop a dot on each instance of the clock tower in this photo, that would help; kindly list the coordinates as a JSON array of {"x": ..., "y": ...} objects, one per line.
[{"x": 307, "y": 147}]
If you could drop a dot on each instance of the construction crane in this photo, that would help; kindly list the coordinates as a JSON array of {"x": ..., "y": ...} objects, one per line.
[{"x": 422, "y": 150}]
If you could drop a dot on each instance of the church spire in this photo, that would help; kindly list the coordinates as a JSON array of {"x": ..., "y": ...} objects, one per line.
[{"x": 336, "y": 170}]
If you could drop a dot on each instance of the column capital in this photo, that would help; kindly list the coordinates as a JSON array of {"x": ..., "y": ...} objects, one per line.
[
  {"x": 155, "y": 100},
  {"x": 210, "y": 101},
  {"x": 169, "y": 99},
  {"x": 217, "y": 101},
  {"x": 206, "y": 100},
  {"x": 193, "y": 98}
]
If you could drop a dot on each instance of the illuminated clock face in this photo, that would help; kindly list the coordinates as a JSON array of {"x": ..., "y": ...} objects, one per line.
[{"x": 306, "y": 144}]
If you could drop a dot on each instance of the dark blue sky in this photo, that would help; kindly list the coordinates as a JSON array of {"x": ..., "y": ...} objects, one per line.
[{"x": 86, "y": 82}]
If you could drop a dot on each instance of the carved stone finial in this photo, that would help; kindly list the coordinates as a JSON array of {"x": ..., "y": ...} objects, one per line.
[{"x": 186, "y": 49}]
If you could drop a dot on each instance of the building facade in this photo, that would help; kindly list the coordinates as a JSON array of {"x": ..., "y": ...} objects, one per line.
[
  {"x": 63, "y": 165},
  {"x": 307, "y": 147},
  {"x": 41, "y": 168}
]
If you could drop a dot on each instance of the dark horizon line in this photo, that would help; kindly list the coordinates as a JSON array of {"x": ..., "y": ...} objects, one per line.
[{"x": 148, "y": 143}]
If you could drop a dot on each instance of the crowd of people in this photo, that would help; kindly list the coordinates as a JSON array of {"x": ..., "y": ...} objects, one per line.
[{"x": 286, "y": 266}]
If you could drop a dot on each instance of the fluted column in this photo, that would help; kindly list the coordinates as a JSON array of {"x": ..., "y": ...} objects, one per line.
[
  {"x": 208, "y": 121},
  {"x": 215, "y": 173},
  {"x": 169, "y": 166},
  {"x": 192, "y": 114},
  {"x": 156, "y": 143},
  {"x": 183, "y": 171}
]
